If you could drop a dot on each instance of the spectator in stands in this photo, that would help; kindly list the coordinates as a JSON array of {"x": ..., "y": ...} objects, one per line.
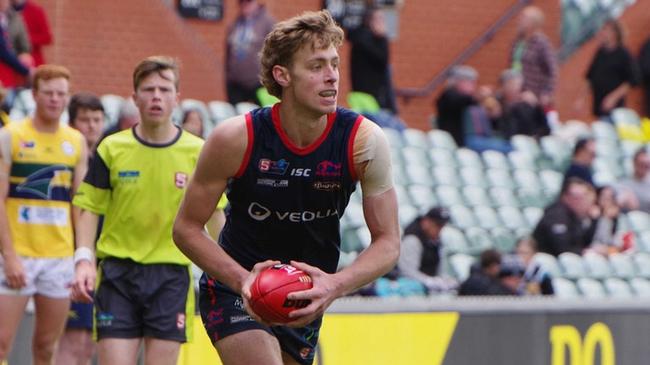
[
  {"x": 533, "y": 55},
  {"x": 369, "y": 60},
  {"x": 584, "y": 154},
  {"x": 4, "y": 117},
  {"x": 76, "y": 346},
  {"x": 535, "y": 280},
  {"x": 193, "y": 122},
  {"x": 612, "y": 72},
  {"x": 243, "y": 43},
  {"x": 634, "y": 192},
  {"x": 485, "y": 279},
  {"x": 522, "y": 113},
  {"x": 38, "y": 27},
  {"x": 644, "y": 67},
  {"x": 128, "y": 117},
  {"x": 10, "y": 64},
  {"x": 457, "y": 97},
  {"x": 478, "y": 129},
  {"x": 420, "y": 254},
  {"x": 567, "y": 225},
  {"x": 605, "y": 212}
]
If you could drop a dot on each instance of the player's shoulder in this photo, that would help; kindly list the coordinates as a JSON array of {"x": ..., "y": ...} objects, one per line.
[{"x": 231, "y": 132}]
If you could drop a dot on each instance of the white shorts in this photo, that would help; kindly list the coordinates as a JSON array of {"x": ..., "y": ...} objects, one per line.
[{"x": 50, "y": 277}]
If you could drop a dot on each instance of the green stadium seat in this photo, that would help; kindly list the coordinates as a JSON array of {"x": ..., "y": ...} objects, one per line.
[
  {"x": 565, "y": 288},
  {"x": 639, "y": 220},
  {"x": 495, "y": 160},
  {"x": 350, "y": 241},
  {"x": 597, "y": 265},
  {"x": 400, "y": 177},
  {"x": 461, "y": 265},
  {"x": 244, "y": 107},
  {"x": 573, "y": 266},
  {"x": 549, "y": 263},
  {"x": 487, "y": 217},
  {"x": 618, "y": 288},
  {"x": 642, "y": 261},
  {"x": 468, "y": 158},
  {"x": 415, "y": 138},
  {"x": 476, "y": 196},
  {"x": 473, "y": 176},
  {"x": 221, "y": 110},
  {"x": 532, "y": 215},
  {"x": 354, "y": 214},
  {"x": 629, "y": 148},
  {"x": 512, "y": 218},
  {"x": 443, "y": 157},
  {"x": 532, "y": 198},
  {"x": 422, "y": 196},
  {"x": 591, "y": 288},
  {"x": 479, "y": 240},
  {"x": 415, "y": 156},
  {"x": 112, "y": 104},
  {"x": 394, "y": 137},
  {"x": 527, "y": 145},
  {"x": 625, "y": 116},
  {"x": 500, "y": 178},
  {"x": 403, "y": 198},
  {"x": 527, "y": 179},
  {"x": 362, "y": 102},
  {"x": 265, "y": 98},
  {"x": 462, "y": 217},
  {"x": 608, "y": 148},
  {"x": 551, "y": 181},
  {"x": 604, "y": 130},
  {"x": 641, "y": 287},
  {"x": 557, "y": 151},
  {"x": 504, "y": 197},
  {"x": 407, "y": 214},
  {"x": 449, "y": 195},
  {"x": 419, "y": 174},
  {"x": 522, "y": 160},
  {"x": 441, "y": 139},
  {"x": 622, "y": 265},
  {"x": 504, "y": 239},
  {"x": 453, "y": 240},
  {"x": 445, "y": 175}
]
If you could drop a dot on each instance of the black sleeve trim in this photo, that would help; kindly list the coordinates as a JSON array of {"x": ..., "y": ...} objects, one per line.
[{"x": 98, "y": 174}]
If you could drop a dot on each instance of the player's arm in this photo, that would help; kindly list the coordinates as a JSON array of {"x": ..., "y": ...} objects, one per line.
[
  {"x": 220, "y": 159},
  {"x": 372, "y": 165},
  {"x": 12, "y": 265}
]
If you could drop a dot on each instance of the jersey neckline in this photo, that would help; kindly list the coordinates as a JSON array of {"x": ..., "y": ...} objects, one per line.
[
  {"x": 275, "y": 116},
  {"x": 157, "y": 145}
]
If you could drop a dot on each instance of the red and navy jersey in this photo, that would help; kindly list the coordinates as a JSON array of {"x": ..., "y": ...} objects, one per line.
[{"x": 286, "y": 201}]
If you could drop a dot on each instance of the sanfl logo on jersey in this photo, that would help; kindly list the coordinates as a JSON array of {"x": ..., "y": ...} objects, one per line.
[{"x": 180, "y": 179}]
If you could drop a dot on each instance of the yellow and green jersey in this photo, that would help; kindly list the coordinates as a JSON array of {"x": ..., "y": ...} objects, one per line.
[
  {"x": 138, "y": 187},
  {"x": 40, "y": 182}
]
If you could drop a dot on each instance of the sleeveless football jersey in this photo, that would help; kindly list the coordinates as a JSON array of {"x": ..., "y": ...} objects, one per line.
[
  {"x": 286, "y": 201},
  {"x": 38, "y": 205}
]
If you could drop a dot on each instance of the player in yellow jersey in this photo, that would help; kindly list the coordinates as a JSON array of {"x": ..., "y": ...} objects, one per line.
[
  {"x": 41, "y": 163},
  {"x": 137, "y": 180}
]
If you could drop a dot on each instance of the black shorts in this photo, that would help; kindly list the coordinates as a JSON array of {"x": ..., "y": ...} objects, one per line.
[
  {"x": 223, "y": 314},
  {"x": 137, "y": 300}
]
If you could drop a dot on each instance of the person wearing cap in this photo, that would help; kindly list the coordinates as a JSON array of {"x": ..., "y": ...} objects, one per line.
[
  {"x": 489, "y": 277},
  {"x": 420, "y": 251}
]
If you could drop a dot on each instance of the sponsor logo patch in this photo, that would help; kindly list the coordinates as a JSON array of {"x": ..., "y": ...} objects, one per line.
[
  {"x": 273, "y": 167},
  {"x": 128, "y": 176},
  {"x": 180, "y": 180},
  {"x": 327, "y": 185},
  {"x": 260, "y": 213},
  {"x": 180, "y": 321},
  {"x": 67, "y": 148},
  {"x": 27, "y": 144},
  {"x": 274, "y": 183},
  {"x": 104, "y": 319},
  {"x": 328, "y": 169},
  {"x": 43, "y": 215}
]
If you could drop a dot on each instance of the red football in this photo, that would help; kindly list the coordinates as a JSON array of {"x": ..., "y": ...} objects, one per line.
[{"x": 270, "y": 289}]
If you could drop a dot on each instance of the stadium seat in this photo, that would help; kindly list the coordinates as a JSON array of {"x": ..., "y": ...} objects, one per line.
[
  {"x": 504, "y": 197},
  {"x": 487, "y": 217},
  {"x": 449, "y": 195},
  {"x": 565, "y": 288},
  {"x": 265, "y": 98},
  {"x": 591, "y": 288},
  {"x": 551, "y": 181},
  {"x": 415, "y": 156},
  {"x": 532, "y": 198},
  {"x": 112, "y": 104},
  {"x": 629, "y": 148},
  {"x": 597, "y": 265},
  {"x": 442, "y": 157},
  {"x": 479, "y": 240},
  {"x": 532, "y": 215},
  {"x": 462, "y": 217},
  {"x": 422, "y": 197},
  {"x": 473, "y": 176},
  {"x": 618, "y": 288},
  {"x": 622, "y": 265},
  {"x": 354, "y": 214},
  {"x": 396, "y": 157},
  {"x": 461, "y": 265},
  {"x": 642, "y": 261},
  {"x": 499, "y": 178},
  {"x": 476, "y": 196},
  {"x": 573, "y": 266},
  {"x": 607, "y": 148},
  {"x": 350, "y": 241},
  {"x": 526, "y": 144},
  {"x": 495, "y": 160},
  {"x": 221, "y": 110},
  {"x": 549, "y": 263},
  {"x": 557, "y": 151},
  {"x": 604, "y": 130},
  {"x": 446, "y": 175},
  {"x": 468, "y": 158},
  {"x": 394, "y": 137},
  {"x": 512, "y": 217},
  {"x": 521, "y": 160},
  {"x": 504, "y": 239},
  {"x": 407, "y": 214},
  {"x": 415, "y": 138},
  {"x": 364, "y": 236},
  {"x": 362, "y": 102},
  {"x": 441, "y": 139},
  {"x": 641, "y": 287},
  {"x": 400, "y": 177},
  {"x": 403, "y": 198},
  {"x": 639, "y": 220},
  {"x": 244, "y": 107},
  {"x": 453, "y": 240},
  {"x": 527, "y": 179},
  {"x": 625, "y": 116},
  {"x": 419, "y": 174}
]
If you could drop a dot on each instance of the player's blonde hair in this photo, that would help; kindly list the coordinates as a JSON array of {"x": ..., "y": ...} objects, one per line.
[{"x": 287, "y": 37}]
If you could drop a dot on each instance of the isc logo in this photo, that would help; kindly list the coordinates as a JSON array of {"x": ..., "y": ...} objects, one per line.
[
  {"x": 582, "y": 351},
  {"x": 296, "y": 303},
  {"x": 301, "y": 172}
]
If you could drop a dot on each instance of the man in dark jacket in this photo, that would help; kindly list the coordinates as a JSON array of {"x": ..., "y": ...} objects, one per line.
[
  {"x": 487, "y": 279},
  {"x": 566, "y": 225}
]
